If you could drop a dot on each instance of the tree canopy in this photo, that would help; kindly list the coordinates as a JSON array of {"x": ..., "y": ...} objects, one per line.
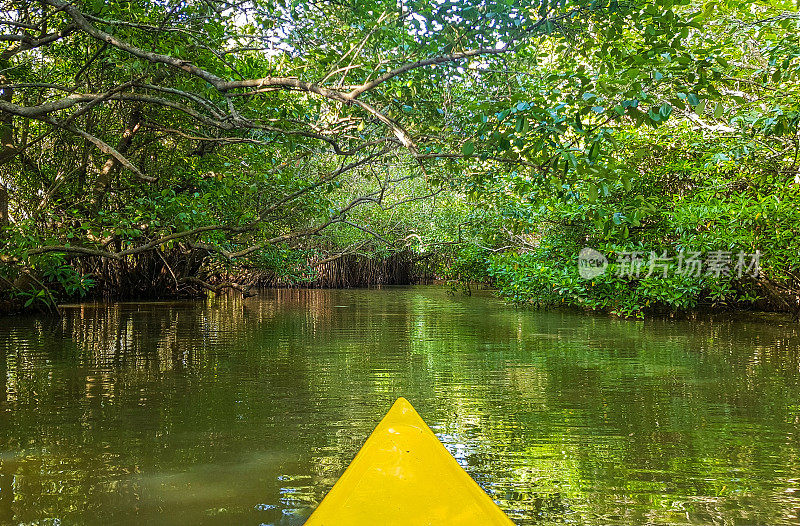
[{"x": 157, "y": 146}]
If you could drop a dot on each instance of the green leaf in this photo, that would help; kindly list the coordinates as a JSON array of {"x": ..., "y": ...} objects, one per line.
[
  {"x": 591, "y": 193},
  {"x": 594, "y": 150},
  {"x": 700, "y": 108},
  {"x": 626, "y": 182},
  {"x": 468, "y": 148}
]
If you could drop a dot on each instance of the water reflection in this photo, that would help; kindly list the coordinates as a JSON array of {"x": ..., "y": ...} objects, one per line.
[{"x": 246, "y": 412}]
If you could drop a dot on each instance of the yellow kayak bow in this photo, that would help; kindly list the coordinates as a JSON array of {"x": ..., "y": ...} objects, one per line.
[{"x": 404, "y": 476}]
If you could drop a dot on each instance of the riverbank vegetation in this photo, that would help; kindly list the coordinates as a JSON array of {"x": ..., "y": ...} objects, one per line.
[{"x": 154, "y": 149}]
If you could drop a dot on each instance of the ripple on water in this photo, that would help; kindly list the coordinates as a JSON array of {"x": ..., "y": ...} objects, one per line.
[{"x": 246, "y": 412}]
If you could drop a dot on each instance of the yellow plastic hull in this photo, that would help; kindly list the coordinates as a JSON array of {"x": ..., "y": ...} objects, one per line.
[{"x": 404, "y": 476}]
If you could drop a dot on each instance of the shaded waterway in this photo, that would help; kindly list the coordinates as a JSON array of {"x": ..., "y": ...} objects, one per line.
[{"x": 231, "y": 411}]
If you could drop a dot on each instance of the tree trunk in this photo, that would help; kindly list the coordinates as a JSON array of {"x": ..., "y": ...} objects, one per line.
[
  {"x": 7, "y": 148},
  {"x": 112, "y": 166},
  {"x": 4, "y": 220}
]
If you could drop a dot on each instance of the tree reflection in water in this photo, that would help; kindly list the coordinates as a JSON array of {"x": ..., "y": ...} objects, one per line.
[{"x": 246, "y": 412}]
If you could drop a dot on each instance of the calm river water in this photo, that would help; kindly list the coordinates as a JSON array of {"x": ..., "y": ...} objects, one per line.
[{"x": 245, "y": 412}]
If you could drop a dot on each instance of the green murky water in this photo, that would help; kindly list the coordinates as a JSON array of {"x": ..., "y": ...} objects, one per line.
[{"x": 246, "y": 412}]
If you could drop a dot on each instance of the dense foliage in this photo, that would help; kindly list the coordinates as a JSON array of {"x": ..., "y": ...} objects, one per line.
[
  {"x": 154, "y": 148},
  {"x": 714, "y": 175}
]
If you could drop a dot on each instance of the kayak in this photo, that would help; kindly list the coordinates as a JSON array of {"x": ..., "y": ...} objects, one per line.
[{"x": 404, "y": 476}]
